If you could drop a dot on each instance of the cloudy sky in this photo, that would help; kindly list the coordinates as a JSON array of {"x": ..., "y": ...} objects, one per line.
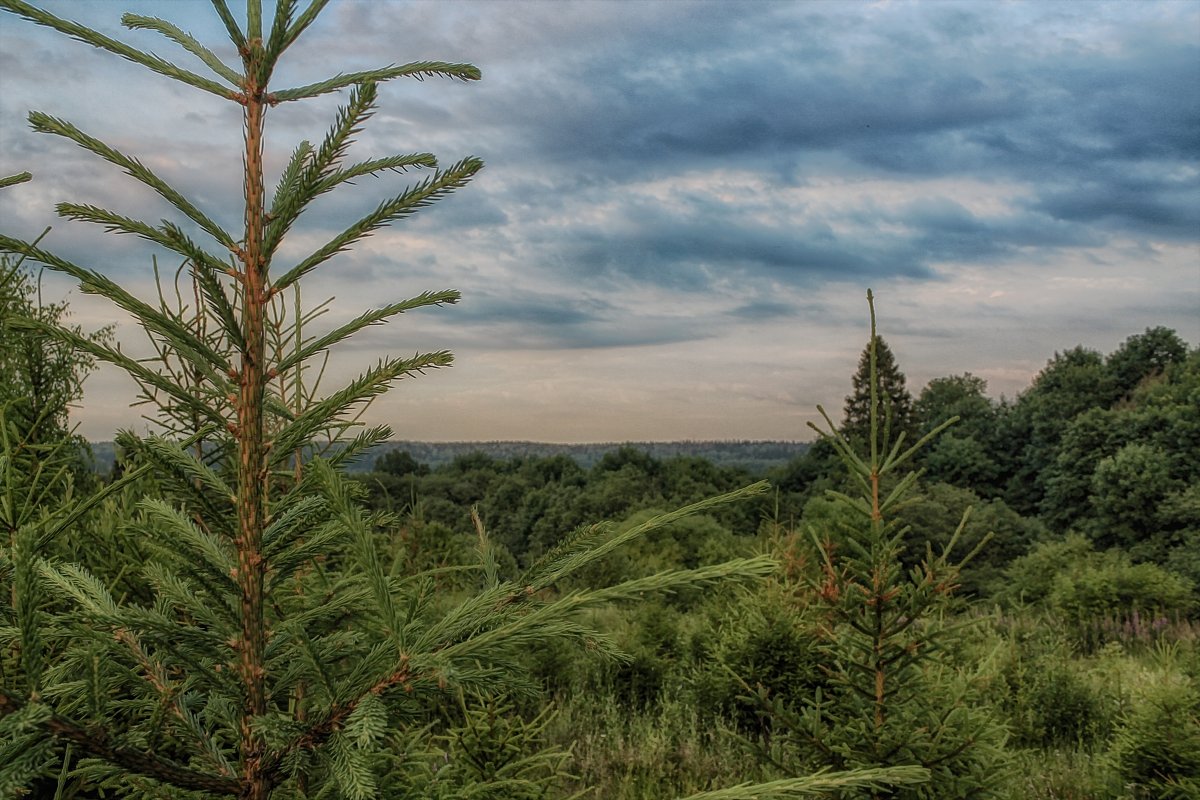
[{"x": 684, "y": 202}]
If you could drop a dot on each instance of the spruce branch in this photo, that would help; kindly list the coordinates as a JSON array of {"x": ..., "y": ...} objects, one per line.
[
  {"x": 13, "y": 180},
  {"x": 44, "y": 123},
  {"x": 189, "y": 467},
  {"x": 99, "y": 40},
  {"x": 669, "y": 581},
  {"x": 286, "y": 522},
  {"x": 396, "y": 163},
  {"x": 418, "y": 70},
  {"x": 235, "y": 33},
  {"x": 280, "y": 23},
  {"x": 205, "y": 266},
  {"x": 351, "y": 519},
  {"x": 317, "y": 732},
  {"x": 27, "y": 603},
  {"x": 168, "y": 236},
  {"x": 318, "y": 541},
  {"x": 586, "y": 550},
  {"x": 133, "y": 758},
  {"x": 204, "y": 604},
  {"x": 374, "y": 317},
  {"x": 174, "y": 459},
  {"x": 211, "y": 288},
  {"x": 294, "y": 194},
  {"x": 302, "y": 22},
  {"x": 210, "y": 553},
  {"x": 373, "y": 382},
  {"x": 423, "y": 194},
  {"x": 135, "y": 369},
  {"x": 289, "y": 181},
  {"x": 348, "y": 451},
  {"x": 346, "y": 126},
  {"x": 184, "y": 40},
  {"x": 70, "y": 517},
  {"x": 197, "y": 351}
]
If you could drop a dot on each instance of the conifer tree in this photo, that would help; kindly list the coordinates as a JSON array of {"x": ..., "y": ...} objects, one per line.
[
  {"x": 889, "y": 694},
  {"x": 889, "y": 384},
  {"x": 281, "y": 656}
]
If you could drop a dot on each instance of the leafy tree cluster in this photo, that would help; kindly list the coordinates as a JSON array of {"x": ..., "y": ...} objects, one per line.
[
  {"x": 529, "y": 504},
  {"x": 1104, "y": 446},
  {"x": 40, "y": 376}
]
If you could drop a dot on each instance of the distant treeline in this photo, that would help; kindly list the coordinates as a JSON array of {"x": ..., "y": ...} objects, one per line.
[{"x": 753, "y": 456}]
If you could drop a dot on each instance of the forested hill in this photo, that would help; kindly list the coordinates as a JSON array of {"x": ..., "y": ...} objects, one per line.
[{"x": 753, "y": 456}]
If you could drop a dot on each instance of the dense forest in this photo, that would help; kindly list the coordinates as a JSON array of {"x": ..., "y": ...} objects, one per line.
[
  {"x": 1082, "y": 634},
  {"x": 1100, "y": 447},
  {"x": 944, "y": 596},
  {"x": 754, "y": 456}
]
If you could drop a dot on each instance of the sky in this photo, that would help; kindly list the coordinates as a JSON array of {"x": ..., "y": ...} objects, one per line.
[{"x": 683, "y": 203}]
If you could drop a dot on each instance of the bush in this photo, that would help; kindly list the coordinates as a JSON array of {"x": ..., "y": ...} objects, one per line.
[
  {"x": 763, "y": 644},
  {"x": 1091, "y": 590},
  {"x": 1058, "y": 708},
  {"x": 1156, "y": 748},
  {"x": 1110, "y": 584}
]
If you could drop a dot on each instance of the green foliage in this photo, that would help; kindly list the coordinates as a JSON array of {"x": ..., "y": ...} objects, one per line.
[
  {"x": 1075, "y": 580},
  {"x": 40, "y": 377},
  {"x": 889, "y": 696},
  {"x": 1097, "y": 594},
  {"x": 878, "y": 379},
  {"x": 399, "y": 463},
  {"x": 963, "y": 396},
  {"x": 1143, "y": 356},
  {"x": 765, "y": 644},
  {"x": 1111, "y": 585},
  {"x": 1127, "y": 491},
  {"x": 1072, "y": 382},
  {"x": 933, "y": 515},
  {"x": 286, "y": 641},
  {"x": 1080, "y": 411},
  {"x": 1032, "y": 577},
  {"x": 1157, "y": 744},
  {"x": 1053, "y": 705},
  {"x": 490, "y": 752}
]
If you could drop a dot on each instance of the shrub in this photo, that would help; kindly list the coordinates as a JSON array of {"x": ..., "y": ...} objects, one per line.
[
  {"x": 1157, "y": 744},
  {"x": 1057, "y": 707},
  {"x": 768, "y": 647},
  {"x": 1109, "y": 584}
]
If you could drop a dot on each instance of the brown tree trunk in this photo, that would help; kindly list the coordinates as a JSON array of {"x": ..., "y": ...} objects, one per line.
[{"x": 251, "y": 495}]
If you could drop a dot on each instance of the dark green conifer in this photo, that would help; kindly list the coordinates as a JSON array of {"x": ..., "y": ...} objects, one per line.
[
  {"x": 890, "y": 695},
  {"x": 889, "y": 390}
]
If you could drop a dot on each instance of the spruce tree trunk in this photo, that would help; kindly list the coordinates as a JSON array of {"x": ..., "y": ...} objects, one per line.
[{"x": 251, "y": 489}]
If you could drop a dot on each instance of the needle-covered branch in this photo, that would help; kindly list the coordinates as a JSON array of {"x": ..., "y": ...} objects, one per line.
[
  {"x": 199, "y": 352},
  {"x": 138, "y": 371},
  {"x": 235, "y": 32},
  {"x": 372, "y": 383},
  {"x": 96, "y": 39},
  {"x": 134, "y": 758},
  {"x": 417, "y": 197},
  {"x": 418, "y": 70},
  {"x": 376, "y": 316},
  {"x": 44, "y": 123},
  {"x": 13, "y": 180},
  {"x": 186, "y": 41}
]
